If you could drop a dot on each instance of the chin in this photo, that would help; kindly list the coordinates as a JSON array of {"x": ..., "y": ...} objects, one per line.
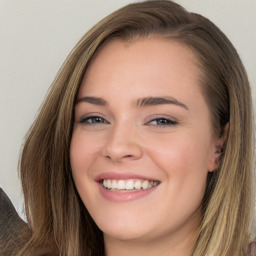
[
  {"x": 121, "y": 230},
  {"x": 124, "y": 234}
]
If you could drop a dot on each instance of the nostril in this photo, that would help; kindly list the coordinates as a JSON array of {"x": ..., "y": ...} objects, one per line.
[
  {"x": 120, "y": 149},
  {"x": 125, "y": 156}
]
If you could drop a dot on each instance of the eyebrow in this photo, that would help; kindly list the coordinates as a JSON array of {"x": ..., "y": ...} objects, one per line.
[
  {"x": 93, "y": 100},
  {"x": 152, "y": 101},
  {"x": 142, "y": 102}
]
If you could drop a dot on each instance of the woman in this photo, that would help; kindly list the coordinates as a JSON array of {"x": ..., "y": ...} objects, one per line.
[{"x": 144, "y": 144}]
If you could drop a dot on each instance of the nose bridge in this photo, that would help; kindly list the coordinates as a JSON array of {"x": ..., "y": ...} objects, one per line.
[{"x": 123, "y": 142}]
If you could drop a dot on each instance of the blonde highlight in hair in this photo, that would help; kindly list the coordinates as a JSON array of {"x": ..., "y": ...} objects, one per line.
[{"x": 56, "y": 215}]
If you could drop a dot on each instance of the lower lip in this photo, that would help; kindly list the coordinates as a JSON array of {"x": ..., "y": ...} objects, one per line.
[{"x": 120, "y": 196}]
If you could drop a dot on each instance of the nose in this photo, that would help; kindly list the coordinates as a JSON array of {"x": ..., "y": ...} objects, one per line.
[{"x": 122, "y": 144}]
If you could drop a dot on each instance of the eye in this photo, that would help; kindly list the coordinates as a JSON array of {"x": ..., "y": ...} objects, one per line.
[
  {"x": 161, "y": 121},
  {"x": 93, "y": 120}
]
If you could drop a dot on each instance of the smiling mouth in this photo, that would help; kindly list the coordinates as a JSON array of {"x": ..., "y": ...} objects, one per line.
[{"x": 130, "y": 185}]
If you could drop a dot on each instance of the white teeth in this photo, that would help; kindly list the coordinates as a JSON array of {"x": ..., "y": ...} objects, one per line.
[
  {"x": 114, "y": 184},
  {"x": 120, "y": 184},
  {"x": 137, "y": 184},
  {"x": 145, "y": 184},
  {"x": 109, "y": 184},
  {"x": 129, "y": 184}
]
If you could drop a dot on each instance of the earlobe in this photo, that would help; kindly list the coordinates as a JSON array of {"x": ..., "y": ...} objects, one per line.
[{"x": 218, "y": 149}]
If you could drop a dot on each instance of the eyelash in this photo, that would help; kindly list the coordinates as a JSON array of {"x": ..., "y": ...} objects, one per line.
[
  {"x": 98, "y": 120},
  {"x": 165, "y": 122},
  {"x": 85, "y": 120}
]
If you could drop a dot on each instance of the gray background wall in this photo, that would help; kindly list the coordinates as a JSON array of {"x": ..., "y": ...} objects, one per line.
[{"x": 35, "y": 38}]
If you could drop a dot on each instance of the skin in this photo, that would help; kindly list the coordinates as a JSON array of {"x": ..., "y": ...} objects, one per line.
[{"x": 171, "y": 143}]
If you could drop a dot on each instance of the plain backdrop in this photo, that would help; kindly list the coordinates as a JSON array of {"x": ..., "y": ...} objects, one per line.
[{"x": 37, "y": 35}]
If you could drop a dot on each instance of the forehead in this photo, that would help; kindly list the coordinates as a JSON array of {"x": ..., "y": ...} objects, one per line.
[{"x": 155, "y": 64}]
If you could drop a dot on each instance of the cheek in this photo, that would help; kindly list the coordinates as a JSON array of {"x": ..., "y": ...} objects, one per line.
[
  {"x": 184, "y": 162},
  {"x": 180, "y": 154},
  {"x": 83, "y": 152}
]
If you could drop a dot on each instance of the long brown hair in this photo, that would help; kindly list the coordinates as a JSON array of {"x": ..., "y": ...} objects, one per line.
[{"x": 58, "y": 219}]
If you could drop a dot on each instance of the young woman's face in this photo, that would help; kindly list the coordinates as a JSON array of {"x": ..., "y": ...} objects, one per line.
[{"x": 142, "y": 143}]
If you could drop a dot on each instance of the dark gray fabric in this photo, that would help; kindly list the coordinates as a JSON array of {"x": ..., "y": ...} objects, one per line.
[
  {"x": 14, "y": 232},
  {"x": 252, "y": 249}
]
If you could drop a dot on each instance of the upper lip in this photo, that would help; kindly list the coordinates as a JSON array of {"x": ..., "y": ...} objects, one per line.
[{"x": 121, "y": 176}]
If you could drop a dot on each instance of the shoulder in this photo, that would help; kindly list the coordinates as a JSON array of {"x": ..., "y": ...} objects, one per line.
[
  {"x": 9, "y": 218},
  {"x": 252, "y": 249},
  {"x": 14, "y": 231}
]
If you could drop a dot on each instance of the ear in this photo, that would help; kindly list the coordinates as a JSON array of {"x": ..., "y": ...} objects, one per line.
[{"x": 217, "y": 150}]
